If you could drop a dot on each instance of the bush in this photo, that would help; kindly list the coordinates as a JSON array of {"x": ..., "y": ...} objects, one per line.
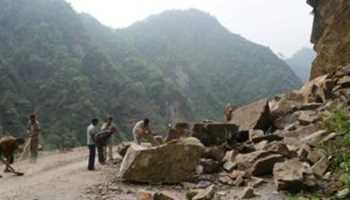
[{"x": 337, "y": 120}]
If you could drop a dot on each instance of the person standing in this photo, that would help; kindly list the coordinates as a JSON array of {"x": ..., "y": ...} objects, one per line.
[
  {"x": 108, "y": 125},
  {"x": 33, "y": 129},
  {"x": 92, "y": 130}
]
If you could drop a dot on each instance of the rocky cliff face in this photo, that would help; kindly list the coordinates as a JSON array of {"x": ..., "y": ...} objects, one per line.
[{"x": 331, "y": 35}]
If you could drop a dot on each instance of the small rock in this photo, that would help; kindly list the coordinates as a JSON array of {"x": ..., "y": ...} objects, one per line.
[
  {"x": 237, "y": 173},
  {"x": 303, "y": 152},
  {"x": 280, "y": 148},
  {"x": 226, "y": 180},
  {"x": 291, "y": 127},
  {"x": 256, "y": 182},
  {"x": 202, "y": 194},
  {"x": 162, "y": 196},
  {"x": 308, "y": 117},
  {"x": 209, "y": 166},
  {"x": 261, "y": 145},
  {"x": 257, "y": 136},
  {"x": 309, "y": 106},
  {"x": 240, "y": 181},
  {"x": 343, "y": 194},
  {"x": 230, "y": 155},
  {"x": 321, "y": 167},
  {"x": 144, "y": 195},
  {"x": 344, "y": 81},
  {"x": 315, "y": 155},
  {"x": 248, "y": 193},
  {"x": 329, "y": 137},
  {"x": 203, "y": 184},
  {"x": 229, "y": 166},
  {"x": 315, "y": 138}
]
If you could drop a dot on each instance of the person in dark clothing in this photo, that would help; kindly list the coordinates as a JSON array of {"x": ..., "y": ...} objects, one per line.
[{"x": 8, "y": 146}]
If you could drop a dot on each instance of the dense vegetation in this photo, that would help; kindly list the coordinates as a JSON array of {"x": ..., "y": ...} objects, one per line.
[
  {"x": 177, "y": 65},
  {"x": 337, "y": 120},
  {"x": 301, "y": 63}
]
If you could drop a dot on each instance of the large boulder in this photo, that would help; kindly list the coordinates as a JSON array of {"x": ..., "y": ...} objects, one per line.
[
  {"x": 256, "y": 115},
  {"x": 209, "y": 166},
  {"x": 211, "y": 134},
  {"x": 318, "y": 90},
  {"x": 258, "y": 163},
  {"x": 215, "y": 152},
  {"x": 123, "y": 148},
  {"x": 182, "y": 129},
  {"x": 264, "y": 166},
  {"x": 173, "y": 162},
  {"x": 295, "y": 137},
  {"x": 293, "y": 176}
]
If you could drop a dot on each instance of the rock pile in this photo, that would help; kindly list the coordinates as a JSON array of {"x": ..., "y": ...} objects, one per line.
[{"x": 277, "y": 138}]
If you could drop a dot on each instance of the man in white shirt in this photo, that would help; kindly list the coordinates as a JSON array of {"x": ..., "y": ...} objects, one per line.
[
  {"x": 92, "y": 130},
  {"x": 142, "y": 131}
]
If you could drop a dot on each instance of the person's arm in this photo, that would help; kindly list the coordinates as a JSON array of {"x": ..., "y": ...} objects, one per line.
[{"x": 103, "y": 127}]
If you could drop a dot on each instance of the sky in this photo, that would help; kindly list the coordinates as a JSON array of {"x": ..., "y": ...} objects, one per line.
[{"x": 283, "y": 25}]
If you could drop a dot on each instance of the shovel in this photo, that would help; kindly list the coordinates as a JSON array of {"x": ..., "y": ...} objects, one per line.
[{"x": 11, "y": 169}]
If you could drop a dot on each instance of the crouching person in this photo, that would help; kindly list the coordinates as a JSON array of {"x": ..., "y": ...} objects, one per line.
[
  {"x": 8, "y": 146},
  {"x": 142, "y": 132}
]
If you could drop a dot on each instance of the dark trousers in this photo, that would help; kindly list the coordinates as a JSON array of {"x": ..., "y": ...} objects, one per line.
[
  {"x": 92, "y": 155},
  {"x": 101, "y": 156}
]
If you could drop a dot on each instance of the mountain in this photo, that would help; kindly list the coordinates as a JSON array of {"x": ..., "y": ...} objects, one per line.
[
  {"x": 301, "y": 63},
  {"x": 202, "y": 58},
  {"x": 177, "y": 65}
]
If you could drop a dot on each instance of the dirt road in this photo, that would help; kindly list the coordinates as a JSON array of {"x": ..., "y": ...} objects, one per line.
[{"x": 61, "y": 176}]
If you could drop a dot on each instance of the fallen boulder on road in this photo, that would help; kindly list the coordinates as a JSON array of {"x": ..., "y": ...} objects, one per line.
[
  {"x": 173, "y": 162},
  {"x": 256, "y": 115},
  {"x": 212, "y": 134}
]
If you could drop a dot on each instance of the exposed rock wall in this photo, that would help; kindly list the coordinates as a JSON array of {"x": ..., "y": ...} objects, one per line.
[{"x": 330, "y": 35}]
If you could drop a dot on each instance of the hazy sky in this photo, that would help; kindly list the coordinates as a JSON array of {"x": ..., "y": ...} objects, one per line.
[{"x": 283, "y": 25}]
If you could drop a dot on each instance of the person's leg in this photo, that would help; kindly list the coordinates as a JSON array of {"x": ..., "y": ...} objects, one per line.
[
  {"x": 8, "y": 166},
  {"x": 100, "y": 152},
  {"x": 92, "y": 155},
  {"x": 110, "y": 150},
  {"x": 105, "y": 152},
  {"x": 34, "y": 149},
  {"x": 10, "y": 160}
]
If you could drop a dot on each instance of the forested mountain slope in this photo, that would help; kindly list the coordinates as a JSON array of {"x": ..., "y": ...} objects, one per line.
[{"x": 69, "y": 68}]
